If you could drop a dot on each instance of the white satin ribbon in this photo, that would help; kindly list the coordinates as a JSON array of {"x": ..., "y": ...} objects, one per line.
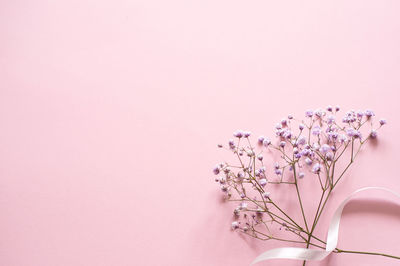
[{"x": 331, "y": 242}]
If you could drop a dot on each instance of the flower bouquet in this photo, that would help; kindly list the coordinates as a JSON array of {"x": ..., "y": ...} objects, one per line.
[{"x": 317, "y": 146}]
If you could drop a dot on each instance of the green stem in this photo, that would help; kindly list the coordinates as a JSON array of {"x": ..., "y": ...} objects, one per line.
[{"x": 366, "y": 253}]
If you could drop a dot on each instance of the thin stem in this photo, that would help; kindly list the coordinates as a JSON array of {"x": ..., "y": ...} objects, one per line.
[
  {"x": 276, "y": 206},
  {"x": 366, "y": 253},
  {"x": 299, "y": 197}
]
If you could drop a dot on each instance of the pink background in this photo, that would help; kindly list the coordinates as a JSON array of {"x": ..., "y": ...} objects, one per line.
[{"x": 110, "y": 113}]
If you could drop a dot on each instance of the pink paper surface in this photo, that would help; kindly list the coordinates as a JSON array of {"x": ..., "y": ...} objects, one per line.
[{"x": 110, "y": 113}]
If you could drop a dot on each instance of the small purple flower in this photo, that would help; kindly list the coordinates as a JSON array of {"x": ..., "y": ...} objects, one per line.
[
  {"x": 342, "y": 138},
  {"x": 349, "y": 117},
  {"x": 261, "y": 140},
  {"x": 216, "y": 170},
  {"x": 316, "y": 146},
  {"x": 250, "y": 153},
  {"x": 282, "y": 144},
  {"x": 290, "y": 117},
  {"x": 308, "y": 161},
  {"x": 301, "y": 140},
  {"x": 319, "y": 113},
  {"x": 220, "y": 146},
  {"x": 238, "y": 134},
  {"x": 351, "y": 132},
  {"x": 301, "y": 175},
  {"x": 235, "y": 225},
  {"x": 278, "y": 171},
  {"x": 337, "y": 108},
  {"x": 243, "y": 206},
  {"x": 360, "y": 114},
  {"x": 246, "y": 134},
  {"x": 316, "y": 168},
  {"x": 325, "y": 148},
  {"x": 260, "y": 157},
  {"x": 227, "y": 170},
  {"x": 231, "y": 144},
  {"x": 266, "y": 195},
  {"x": 266, "y": 142},
  {"x": 224, "y": 188},
  {"x": 329, "y": 108},
  {"x": 301, "y": 126},
  {"x": 309, "y": 113},
  {"x": 287, "y": 134},
  {"x": 373, "y": 134},
  {"x": 316, "y": 130},
  {"x": 263, "y": 182},
  {"x": 329, "y": 156},
  {"x": 382, "y": 122},
  {"x": 284, "y": 122},
  {"x": 333, "y": 135},
  {"x": 330, "y": 119},
  {"x": 306, "y": 152},
  {"x": 369, "y": 113}
]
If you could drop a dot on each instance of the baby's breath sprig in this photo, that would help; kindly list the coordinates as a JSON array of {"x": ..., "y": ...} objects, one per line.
[{"x": 309, "y": 147}]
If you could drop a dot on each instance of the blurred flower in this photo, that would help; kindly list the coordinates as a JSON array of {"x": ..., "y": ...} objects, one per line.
[
  {"x": 330, "y": 119},
  {"x": 369, "y": 113},
  {"x": 316, "y": 168},
  {"x": 266, "y": 142},
  {"x": 238, "y": 134},
  {"x": 235, "y": 225},
  {"x": 216, "y": 170},
  {"x": 266, "y": 195},
  {"x": 316, "y": 130},
  {"x": 263, "y": 182},
  {"x": 325, "y": 148},
  {"x": 282, "y": 144}
]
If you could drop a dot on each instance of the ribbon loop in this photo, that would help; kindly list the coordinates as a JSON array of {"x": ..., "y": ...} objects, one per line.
[{"x": 331, "y": 242}]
